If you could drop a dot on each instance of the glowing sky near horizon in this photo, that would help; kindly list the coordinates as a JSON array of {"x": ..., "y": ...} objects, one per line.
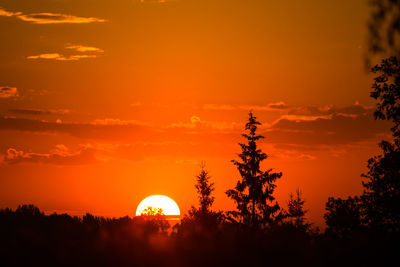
[{"x": 103, "y": 103}]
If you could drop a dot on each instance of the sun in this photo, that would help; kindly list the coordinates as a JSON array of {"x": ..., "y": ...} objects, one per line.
[{"x": 168, "y": 206}]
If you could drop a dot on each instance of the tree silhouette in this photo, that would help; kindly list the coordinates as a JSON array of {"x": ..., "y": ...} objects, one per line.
[
  {"x": 381, "y": 196},
  {"x": 253, "y": 193},
  {"x": 155, "y": 219},
  {"x": 378, "y": 207},
  {"x": 386, "y": 90},
  {"x": 204, "y": 216},
  {"x": 204, "y": 189},
  {"x": 296, "y": 212},
  {"x": 343, "y": 216},
  {"x": 28, "y": 210},
  {"x": 152, "y": 211}
]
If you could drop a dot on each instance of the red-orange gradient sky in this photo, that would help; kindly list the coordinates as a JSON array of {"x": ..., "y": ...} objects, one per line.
[{"x": 103, "y": 103}]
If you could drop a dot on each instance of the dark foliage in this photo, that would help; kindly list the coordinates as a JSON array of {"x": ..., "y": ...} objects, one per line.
[
  {"x": 30, "y": 238},
  {"x": 253, "y": 193},
  {"x": 386, "y": 90},
  {"x": 201, "y": 223},
  {"x": 343, "y": 216},
  {"x": 375, "y": 215},
  {"x": 384, "y": 29},
  {"x": 381, "y": 198},
  {"x": 296, "y": 212},
  {"x": 204, "y": 189}
]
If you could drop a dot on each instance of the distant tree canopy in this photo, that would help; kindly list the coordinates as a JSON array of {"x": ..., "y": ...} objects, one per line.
[
  {"x": 253, "y": 193},
  {"x": 343, "y": 216},
  {"x": 151, "y": 211}
]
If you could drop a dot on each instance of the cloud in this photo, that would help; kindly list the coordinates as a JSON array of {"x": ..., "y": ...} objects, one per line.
[
  {"x": 5, "y": 13},
  {"x": 49, "y": 18},
  {"x": 335, "y": 129},
  {"x": 269, "y": 107},
  {"x": 355, "y": 109},
  {"x": 197, "y": 124},
  {"x": 57, "y": 56},
  {"x": 290, "y": 154},
  {"x": 33, "y": 111},
  {"x": 352, "y": 126},
  {"x": 109, "y": 121},
  {"x": 156, "y": 1},
  {"x": 81, "y": 48},
  {"x": 60, "y": 155},
  {"x": 77, "y": 48},
  {"x": 47, "y": 56},
  {"x": 281, "y": 106},
  {"x": 56, "y": 18},
  {"x": 8, "y": 92},
  {"x": 82, "y": 130}
]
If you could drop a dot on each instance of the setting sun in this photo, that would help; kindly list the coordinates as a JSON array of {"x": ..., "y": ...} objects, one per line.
[{"x": 156, "y": 202}]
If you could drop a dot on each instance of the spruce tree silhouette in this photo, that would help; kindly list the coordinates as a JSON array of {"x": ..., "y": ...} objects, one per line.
[
  {"x": 204, "y": 189},
  {"x": 203, "y": 217},
  {"x": 253, "y": 193},
  {"x": 296, "y": 212}
]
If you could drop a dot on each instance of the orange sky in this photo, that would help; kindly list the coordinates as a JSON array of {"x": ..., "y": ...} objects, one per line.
[{"x": 103, "y": 103}]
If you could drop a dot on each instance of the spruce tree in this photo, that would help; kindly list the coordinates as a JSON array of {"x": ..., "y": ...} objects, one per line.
[
  {"x": 204, "y": 189},
  {"x": 253, "y": 193},
  {"x": 202, "y": 220},
  {"x": 296, "y": 211}
]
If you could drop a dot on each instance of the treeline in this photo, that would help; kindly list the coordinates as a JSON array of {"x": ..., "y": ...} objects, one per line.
[{"x": 30, "y": 238}]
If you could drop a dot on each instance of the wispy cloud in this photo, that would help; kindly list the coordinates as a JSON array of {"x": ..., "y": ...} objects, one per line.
[
  {"x": 94, "y": 52},
  {"x": 34, "y": 111},
  {"x": 57, "y": 56},
  {"x": 8, "y": 92},
  {"x": 156, "y": 1},
  {"x": 268, "y": 107},
  {"x": 60, "y": 155},
  {"x": 49, "y": 18},
  {"x": 198, "y": 124},
  {"x": 82, "y": 130},
  {"x": 82, "y": 48},
  {"x": 5, "y": 13},
  {"x": 110, "y": 121}
]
